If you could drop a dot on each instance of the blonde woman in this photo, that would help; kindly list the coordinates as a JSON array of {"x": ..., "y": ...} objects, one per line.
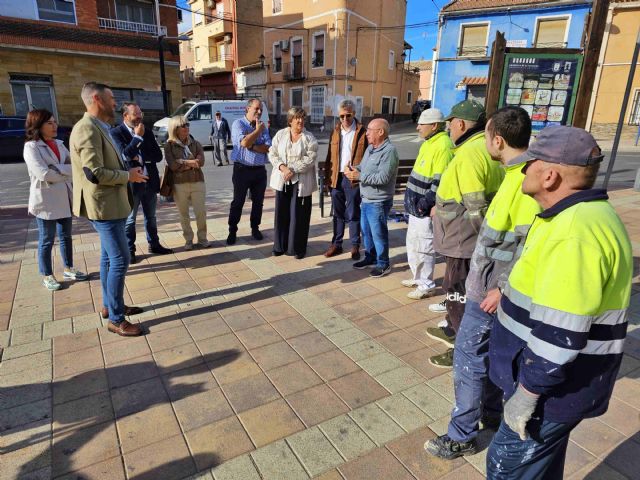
[
  {"x": 293, "y": 156},
  {"x": 185, "y": 157}
]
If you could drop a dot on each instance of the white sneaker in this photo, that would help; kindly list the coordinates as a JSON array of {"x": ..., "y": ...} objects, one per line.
[
  {"x": 50, "y": 282},
  {"x": 188, "y": 246},
  {"x": 438, "y": 307},
  {"x": 409, "y": 283},
  {"x": 442, "y": 323},
  {"x": 204, "y": 244},
  {"x": 74, "y": 274},
  {"x": 419, "y": 293}
]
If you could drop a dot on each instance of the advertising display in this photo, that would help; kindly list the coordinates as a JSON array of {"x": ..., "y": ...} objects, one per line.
[{"x": 545, "y": 85}]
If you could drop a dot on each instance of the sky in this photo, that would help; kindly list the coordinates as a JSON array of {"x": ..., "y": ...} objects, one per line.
[{"x": 423, "y": 39}]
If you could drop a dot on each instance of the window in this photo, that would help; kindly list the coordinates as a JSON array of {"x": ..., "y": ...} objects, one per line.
[
  {"x": 386, "y": 101},
  {"x": 57, "y": 10},
  {"x": 296, "y": 97},
  {"x": 201, "y": 112},
  {"x": 392, "y": 59},
  {"x": 317, "y": 104},
  {"x": 31, "y": 92},
  {"x": 277, "y": 102},
  {"x": 634, "y": 116},
  {"x": 473, "y": 40},
  {"x": 296, "y": 59},
  {"x": 277, "y": 58},
  {"x": 318, "y": 50},
  {"x": 551, "y": 32},
  {"x": 359, "y": 104},
  {"x": 409, "y": 97},
  {"x": 276, "y": 6},
  {"x": 197, "y": 55},
  {"x": 477, "y": 93},
  {"x": 133, "y": 11}
]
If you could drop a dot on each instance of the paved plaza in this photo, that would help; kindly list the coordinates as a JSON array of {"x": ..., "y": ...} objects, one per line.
[{"x": 253, "y": 366}]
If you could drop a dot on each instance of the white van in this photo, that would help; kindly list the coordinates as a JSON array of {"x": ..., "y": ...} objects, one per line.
[{"x": 201, "y": 115}]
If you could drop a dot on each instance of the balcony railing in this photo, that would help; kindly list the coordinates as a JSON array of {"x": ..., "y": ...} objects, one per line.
[
  {"x": 293, "y": 71},
  {"x": 550, "y": 45},
  {"x": 472, "y": 51},
  {"x": 214, "y": 56},
  {"x": 113, "y": 24}
]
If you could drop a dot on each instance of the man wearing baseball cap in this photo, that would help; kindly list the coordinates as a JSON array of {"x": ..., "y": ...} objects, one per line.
[
  {"x": 465, "y": 191},
  {"x": 556, "y": 347},
  {"x": 420, "y": 197}
]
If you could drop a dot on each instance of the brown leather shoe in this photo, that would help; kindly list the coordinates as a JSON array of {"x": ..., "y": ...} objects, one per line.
[
  {"x": 355, "y": 253},
  {"x": 128, "y": 311},
  {"x": 332, "y": 251},
  {"x": 125, "y": 329}
]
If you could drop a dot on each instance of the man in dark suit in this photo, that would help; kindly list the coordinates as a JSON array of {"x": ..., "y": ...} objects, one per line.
[
  {"x": 220, "y": 135},
  {"x": 139, "y": 148}
]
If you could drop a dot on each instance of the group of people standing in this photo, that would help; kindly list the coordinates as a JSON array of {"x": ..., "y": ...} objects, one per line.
[{"x": 538, "y": 265}]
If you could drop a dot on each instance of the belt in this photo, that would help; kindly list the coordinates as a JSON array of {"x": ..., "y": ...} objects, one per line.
[{"x": 248, "y": 167}]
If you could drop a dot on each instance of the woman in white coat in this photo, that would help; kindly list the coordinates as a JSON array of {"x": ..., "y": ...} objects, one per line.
[
  {"x": 50, "y": 194},
  {"x": 293, "y": 156}
]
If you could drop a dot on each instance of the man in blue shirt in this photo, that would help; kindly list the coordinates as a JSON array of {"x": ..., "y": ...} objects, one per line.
[{"x": 251, "y": 142}]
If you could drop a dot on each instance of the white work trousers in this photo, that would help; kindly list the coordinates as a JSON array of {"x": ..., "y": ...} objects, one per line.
[{"x": 420, "y": 253}]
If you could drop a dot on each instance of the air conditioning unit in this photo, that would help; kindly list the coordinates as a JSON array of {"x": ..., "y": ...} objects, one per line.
[
  {"x": 329, "y": 72},
  {"x": 227, "y": 39},
  {"x": 284, "y": 45},
  {"x": 211, "y": 4}
]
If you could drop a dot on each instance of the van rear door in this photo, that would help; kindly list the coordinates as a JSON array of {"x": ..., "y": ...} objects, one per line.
[{"x": 200, "y": 121}]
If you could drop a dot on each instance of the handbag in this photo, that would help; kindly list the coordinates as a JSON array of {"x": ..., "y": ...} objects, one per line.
[{"x": 166, "y": 185}]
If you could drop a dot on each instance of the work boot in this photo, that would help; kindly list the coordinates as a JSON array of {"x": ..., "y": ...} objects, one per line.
[{"x": 447, "y": 449}]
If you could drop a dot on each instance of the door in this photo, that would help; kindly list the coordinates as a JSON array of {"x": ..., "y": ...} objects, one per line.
[
  {"x": 385, "y": 105},
  {"x": 278, "y": 102},
  {"x": 394, "y": 101},
  {"x": 317, "y": 105},
  {"x": 296, "y": 97},
  {"x": 200, "y": 121}
]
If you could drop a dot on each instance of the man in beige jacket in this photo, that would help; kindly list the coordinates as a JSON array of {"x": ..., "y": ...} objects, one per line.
[{"x": 101, "y": 194}]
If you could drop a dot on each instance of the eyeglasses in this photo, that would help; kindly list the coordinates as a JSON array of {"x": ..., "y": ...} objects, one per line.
[
  {"x": 346, "y": 115},
  {"x": 185, "y": 125}
]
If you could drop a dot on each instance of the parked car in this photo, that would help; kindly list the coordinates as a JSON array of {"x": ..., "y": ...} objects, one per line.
[
  {"x": 201, "y": 115},
  {"x": 12, "y": 138}
]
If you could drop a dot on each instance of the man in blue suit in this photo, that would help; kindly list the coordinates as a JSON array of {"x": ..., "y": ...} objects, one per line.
[
  {"x": 220, "y": 135},
  {"x": 139, "y": 149}
]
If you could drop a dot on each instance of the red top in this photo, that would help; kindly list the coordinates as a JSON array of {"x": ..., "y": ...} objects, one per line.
[{"x": 53, "y": 146}]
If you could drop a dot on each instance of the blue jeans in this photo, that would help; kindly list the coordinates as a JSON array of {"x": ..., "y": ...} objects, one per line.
[
  {"x": 474, "y": 392},
  {"x": 345, "y": 200},
  {"x": 375, "y": 234},
  {"x": 148, "y": 199},
  {"x": 114, "y": 261},
  {"x": 540, "y": 457},
  {"x": 46, "y": 236}
]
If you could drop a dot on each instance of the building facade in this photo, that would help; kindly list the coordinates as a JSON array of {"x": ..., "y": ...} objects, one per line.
[
  {"x": 468, "y": 29},
  {"x": 227, "y": 34},
  {"x": 49, "y": 49},
  {"x": 189, "y": 82},
  {"x": 623, "y": 23},
  {"x": 317, "y": 53},
  {"x": 425, "y": 67}
]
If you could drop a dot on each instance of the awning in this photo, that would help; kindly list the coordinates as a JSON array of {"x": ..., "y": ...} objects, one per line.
[{"x": 475, "y": 81}]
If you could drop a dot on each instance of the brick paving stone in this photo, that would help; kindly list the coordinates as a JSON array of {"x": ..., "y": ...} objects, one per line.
[
  {"x": 376, "y": 325},
  {"x": 31, "y": 362},
  {"x": 133, "y": 371},
  {"x": 315, "y": 452},
  {"x": 347, "y": 337},
  {"x": 137, "y": 397},
  {"x": 443, "y": 384},
  {"x": 112, "y": 469},
  {"x": 330, "y": 475},
  {"x": 293, "y": 326},
  {"x": 382, "y": 302},
  {"x": 358, "y": 389},
  {"x": 293, "y": 378},
  {"x": 270, "y": 422},
  {"x": 399, "y": 379},
  {"x": 250, "y": 392},
  {"x": 116, "y": 353},
  {"x": 274, "y": 355},
  {"x": 399, "y": 342},
  {"x": 207, "y": 328},
  {"x": 377, "y": 464},
  {"x": 576, "y": 458},
  {"x": 346, "y": 436},
  {"x": 419, "y": 360},
  {"x": 364, "y": 349},
  {"x": 11, "y": 418},
  {"x": 383, "y": 362},
  {"x": 168, "y": 338},
  {"x": 277, "y": 462},
  {"x": 215, "y": 443},
  {"x": 466, "y": 472},
  {"x": 27, "y": 334},
  {"x": 354, "y": 310},
  {"x": 168, "y": 459},
  {"x": 305, "y": 404},
  {"x": 259, "y": 336},
  {"x": 27, "y": 461},
  {"x": 596, "y": 437},
  {"x": 147, "y": 426},
  {"x": 311, "y": 344},
  {"x": 622, "y": 417},
  {"x": 83, "y": 412},
  {"x": 233, "y": 366},
  {"x": 379, "y": 426},
  {"x": 177, "y": 358},
  {"x": 26, "y": 349},
  {"x": 427, "y": 400},
  {"x": 240, "y": 468},
  {"x": 332, "y": 364},
  {"x": 198, "y": 409},
  {"x": 405, "y": 413},
  {"x": 77, "y": 386},
  {"x": 57, "y": 328},
  {"x": 243, "y": 319},
  {"x": 77, "y": 362},
  {"x": 335, "y": 296},
  {"x": 277, "y": 311}
]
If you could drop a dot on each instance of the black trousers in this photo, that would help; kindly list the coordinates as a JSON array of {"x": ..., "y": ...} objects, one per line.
[
  {"x": 292, "y": 217},
  {"x": 455, "y": 276},
  {"x": 253, "y": 179}
]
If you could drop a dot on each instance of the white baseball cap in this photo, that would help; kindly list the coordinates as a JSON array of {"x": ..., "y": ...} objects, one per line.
[{"x": 431, "y": 115}]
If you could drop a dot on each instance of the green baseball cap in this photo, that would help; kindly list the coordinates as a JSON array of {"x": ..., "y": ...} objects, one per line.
[{"x": 467, "y": 110}]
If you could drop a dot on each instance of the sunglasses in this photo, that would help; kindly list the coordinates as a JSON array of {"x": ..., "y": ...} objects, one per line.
[
  {"x": 346, "y": 115},
  {"x": 185, "y": 125}
]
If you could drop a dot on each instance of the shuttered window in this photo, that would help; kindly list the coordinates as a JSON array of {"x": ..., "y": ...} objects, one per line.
[
  {"x": 551, "y": 33},
  {"x": 473, "y": 41}
]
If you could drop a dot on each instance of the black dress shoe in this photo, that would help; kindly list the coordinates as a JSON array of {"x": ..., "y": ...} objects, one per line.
[
  {"x": 231, "y": 239},
  {"x": 160, "y": 250},
  {"x": 219, "y": 164},
  {"x": 256, "y": 234},
  {"x": 132, "y": 258}
]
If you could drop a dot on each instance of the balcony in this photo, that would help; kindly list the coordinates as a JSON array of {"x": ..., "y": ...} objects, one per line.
[
  {"x": 214, "y": 63},
  {"x": 293, "y": 72},
  {"x": 212, "y": 27},
  {"x": 135, "y": 27}
]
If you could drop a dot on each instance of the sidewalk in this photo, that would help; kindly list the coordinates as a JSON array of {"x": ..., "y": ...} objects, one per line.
[{"x": 254, "y": 366}]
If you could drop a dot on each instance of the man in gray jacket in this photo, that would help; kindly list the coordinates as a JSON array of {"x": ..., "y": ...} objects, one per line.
[{"x": 377, "y": 176}]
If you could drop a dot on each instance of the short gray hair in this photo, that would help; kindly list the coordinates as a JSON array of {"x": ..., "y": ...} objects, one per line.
[
  {"x": 251, "y": 101},
  {"x": 295, "y": 112},
  {"x": 347, "y": 105},
  {"x": 90, "y": 89}
]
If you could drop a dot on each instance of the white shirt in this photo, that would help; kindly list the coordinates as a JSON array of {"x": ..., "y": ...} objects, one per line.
[
  {"x": 218, "y": 123},
  {"x": 133, "y": 134},
  {"x": 346, "y": 143}
]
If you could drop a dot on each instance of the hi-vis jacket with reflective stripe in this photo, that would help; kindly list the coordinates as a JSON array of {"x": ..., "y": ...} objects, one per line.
[
  {"x": 466, "y": 188},
  {"x": 562, "y": 320},
  {"x": 434, "y": 156},
  {"x": 501, "y": 236}
]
